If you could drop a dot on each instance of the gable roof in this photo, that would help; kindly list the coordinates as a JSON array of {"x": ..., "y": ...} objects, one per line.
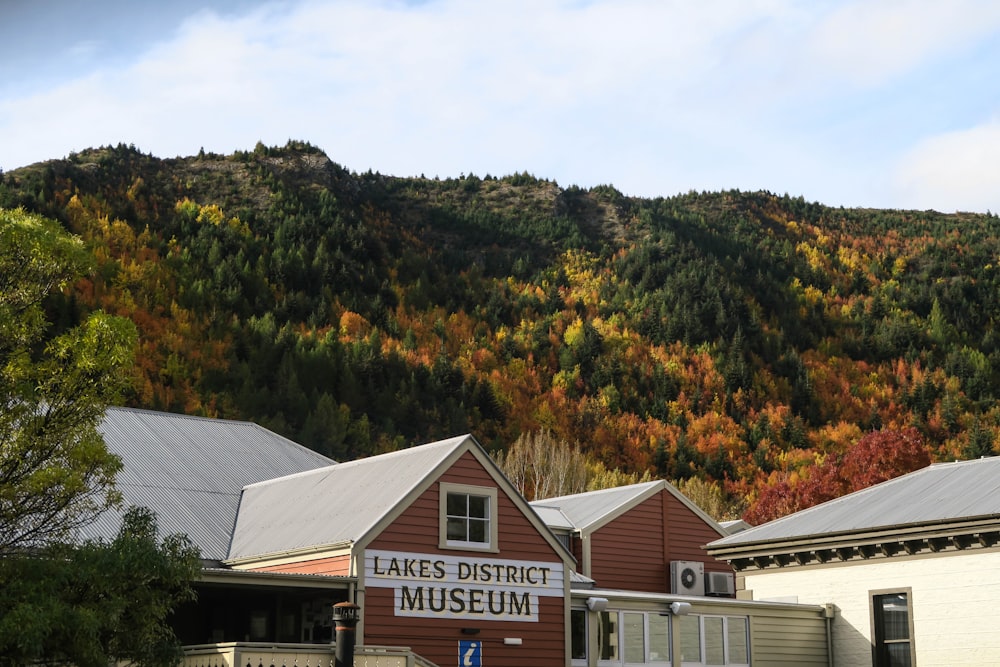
[
  {"x": 335, "y": 505},
  {"x": 191, "y": 470},
  {"x": 591, "y": 510},
  {"x": 939, "y": 493}
]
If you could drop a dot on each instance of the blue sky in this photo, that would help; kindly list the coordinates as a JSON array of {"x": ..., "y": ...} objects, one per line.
[{"x": 874, "y": 103}]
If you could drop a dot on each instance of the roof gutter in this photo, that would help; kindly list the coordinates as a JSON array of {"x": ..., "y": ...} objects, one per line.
[{"x": 289, "y": 553}]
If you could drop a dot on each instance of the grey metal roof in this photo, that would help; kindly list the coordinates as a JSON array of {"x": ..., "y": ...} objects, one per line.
[
  {"x": 585, "y": 510},
  {"x": 553, "y": 517},
  {"x": 940, "y": 492},
  {"x": 333, "y": 505},
  {"x": 191, "y": 470}
]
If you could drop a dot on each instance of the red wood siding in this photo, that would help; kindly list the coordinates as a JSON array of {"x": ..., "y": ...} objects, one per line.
[
  {"x": 627, "y": 553},
  {"x": 416, "y": 531},
  {"x": 333, "y": 565},
  {"x": 634, "y": 551},
  {"x": 688, "y": 535},
  {"x": 417, "y": 528}
]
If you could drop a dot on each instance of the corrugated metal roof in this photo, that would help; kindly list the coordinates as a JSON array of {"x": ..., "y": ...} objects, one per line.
[
  {"x": 940, "y": 492},
  {"x": 552, "y": 517},
  {"x": 332, "y": 505},
  {"x": 586, "y": 509},
  {"x": 191, "y": 470}
]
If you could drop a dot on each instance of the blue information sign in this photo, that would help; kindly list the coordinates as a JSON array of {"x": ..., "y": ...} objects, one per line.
[{"x": 470, "y": 653}]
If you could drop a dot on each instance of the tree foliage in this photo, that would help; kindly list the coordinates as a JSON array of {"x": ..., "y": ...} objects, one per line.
[
  {"x": 98, "y": 603},
  {"x": 735, "y": 337},
  {"x": 540, "y": 465},
  {"x": 878, "y": 456},
  {"x": 55, "y": 472}
]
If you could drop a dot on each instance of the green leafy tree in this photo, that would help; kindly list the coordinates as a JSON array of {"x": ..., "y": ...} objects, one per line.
[
  {"x": 55, "y": 471},
  {"x": 98, "y": 603},
  {"x": 85, "y": 604}
]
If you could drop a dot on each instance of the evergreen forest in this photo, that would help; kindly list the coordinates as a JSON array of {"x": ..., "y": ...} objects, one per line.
[{"x": 771, "y": 349}]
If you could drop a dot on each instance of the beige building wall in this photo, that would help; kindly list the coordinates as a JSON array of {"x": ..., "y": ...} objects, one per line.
[{"x": 955, "y": 601}]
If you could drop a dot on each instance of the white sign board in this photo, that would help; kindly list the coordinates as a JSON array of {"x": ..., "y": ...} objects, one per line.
[{"x": 486, "y": 589}]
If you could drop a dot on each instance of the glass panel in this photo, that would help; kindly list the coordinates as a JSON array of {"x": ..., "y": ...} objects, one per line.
[
  {"x": 478, "y": 531},
  {"x": 635, "y": 649},
  {"x": 457, "y": 529},
  {"x": 895, "y": 619},
  {"x": 608, "y": 637},
  {"x": 690, "y": 638},
  {"x": 479, "y": 507},
  {"x": 578, "y": 634},
  {"x": 899, "y": 654},
  {"x": 736, "y": 629},
  {"x": 458, "y": 504},
  {"x": 659, "y": 638},
  {"x": 715, "y": 650}
]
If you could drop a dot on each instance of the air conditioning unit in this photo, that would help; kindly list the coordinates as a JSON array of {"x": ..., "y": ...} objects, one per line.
[
  {"x": 687, "y": 577},
  {"x": 720, "y": 584}
]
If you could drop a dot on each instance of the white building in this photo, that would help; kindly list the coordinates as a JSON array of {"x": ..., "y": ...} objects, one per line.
[{"x": 912, "y": 566}]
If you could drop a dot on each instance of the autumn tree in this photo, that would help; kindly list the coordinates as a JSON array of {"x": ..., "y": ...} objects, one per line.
[
  {"x": 876, "y": 457},
  {"x": 540, "y": 465}
]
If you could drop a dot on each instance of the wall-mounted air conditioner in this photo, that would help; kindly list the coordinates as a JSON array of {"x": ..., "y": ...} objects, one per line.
[
  {"x": 720, "y": 584},
  {"x": 687, "y": 577}
]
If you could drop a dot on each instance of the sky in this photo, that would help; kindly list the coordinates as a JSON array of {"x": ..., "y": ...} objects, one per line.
[{"x": 868, "y": 103}]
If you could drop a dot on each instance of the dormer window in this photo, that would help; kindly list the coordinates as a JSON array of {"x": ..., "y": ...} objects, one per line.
[{"x": 468, "y": 517}]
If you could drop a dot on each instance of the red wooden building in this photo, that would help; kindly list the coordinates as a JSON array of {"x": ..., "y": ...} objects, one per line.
[
  {"x": 642, "y": 537},
  {"x": 447, "y": 562},
  {"x": 445, "y": 552}
]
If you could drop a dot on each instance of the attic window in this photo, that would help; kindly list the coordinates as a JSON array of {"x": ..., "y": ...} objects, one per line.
[{"x": 468, "y": 517}]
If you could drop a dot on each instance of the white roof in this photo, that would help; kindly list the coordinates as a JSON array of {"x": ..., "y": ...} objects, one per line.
[
  {"x": 589, "y": 511},
  {"x": 942, "y": 492},
  {"x": 335, "y": 505}
]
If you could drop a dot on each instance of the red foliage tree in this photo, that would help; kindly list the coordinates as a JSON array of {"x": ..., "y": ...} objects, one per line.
[{"x": 878, "y": 456}]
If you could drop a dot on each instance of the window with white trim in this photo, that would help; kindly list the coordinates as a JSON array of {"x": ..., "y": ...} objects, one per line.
[
  {"x": 468, "y": 517},
  {"x": 892, "y": 628},
  {"x": 714, "y": 640},
  {"x": 633, "y": 638}
]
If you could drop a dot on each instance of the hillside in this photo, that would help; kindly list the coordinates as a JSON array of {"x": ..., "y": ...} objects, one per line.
[{"x": 736, "y": 337}]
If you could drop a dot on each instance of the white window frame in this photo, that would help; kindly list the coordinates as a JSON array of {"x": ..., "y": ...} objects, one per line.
[
  {"x": 725, "y": 640},
  {"x": 618, "y": 617},
  {"x": 487, "y": 492}
]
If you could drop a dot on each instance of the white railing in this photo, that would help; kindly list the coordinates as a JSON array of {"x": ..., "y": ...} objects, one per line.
[{"x": 252, "y": 654}]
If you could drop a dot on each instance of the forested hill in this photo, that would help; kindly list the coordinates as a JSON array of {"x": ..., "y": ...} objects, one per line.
[{"x": 736, "y": 337}]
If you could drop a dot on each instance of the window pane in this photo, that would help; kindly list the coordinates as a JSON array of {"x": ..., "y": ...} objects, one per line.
[
  {"x": 635, "y": 650},
  {"x": 715, "y": 650},
  {"x": 736, "y": 628},
  {"x": 578, "y": 634},
  {"x": 478, "y": 531},
  {"x": 479, "y": 506},
  {"x": 690, "y": 639},
  {"x": 458, "y": 529},
  {"x": 899, "y": 654},
  {"x": 659, "y": 638},
  {"x": 608, "y": 637},
  {"x": 895, "y": 618},
  {"x": 457, "y": 504}
]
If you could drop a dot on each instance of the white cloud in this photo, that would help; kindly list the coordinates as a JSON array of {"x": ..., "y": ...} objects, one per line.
[
  {"x": 653, "y": 97},
  {"x": 953, "y": 171},
  {"x": 867, "y": 42}
]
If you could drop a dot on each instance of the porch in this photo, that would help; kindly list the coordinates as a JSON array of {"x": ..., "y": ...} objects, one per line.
[{"x": 264, "y": 654}]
